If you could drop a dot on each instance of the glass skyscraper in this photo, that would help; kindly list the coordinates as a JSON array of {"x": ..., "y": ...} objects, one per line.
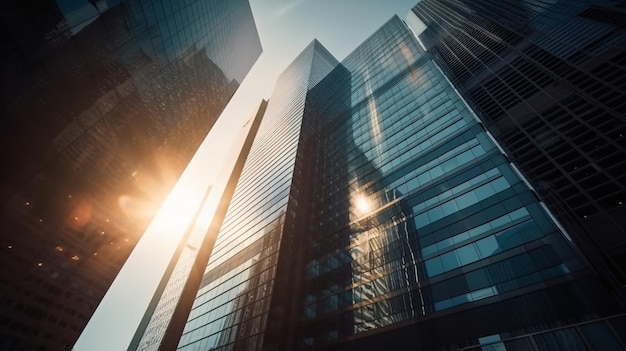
[
  {"x": 233, "y": 303},
  {"x": 548, "y": 79},
  {"x": 375, "y": 209},
  {"x": 165, "y": 317},
  {"x": 419, "y": 231},
  {"x": 104, "y": 103}
]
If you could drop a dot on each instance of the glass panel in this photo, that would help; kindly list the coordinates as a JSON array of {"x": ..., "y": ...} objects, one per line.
[
  {"x": 488, "y": 246},
  {"x": 480, "y": 229},
  {"x": 619, "y": 325},
  {"x": 449, "y": 208},
  {"x": 443, "y": 244},
  {"x": 523, "y": 344},
  {"x": 429, "y": 250},
  {"x": 421, "y": 220},
  {"x": 600, "y": 337},
  {"x": 500, "y": 184},
  {"x": 481, "y": 294},
  {"x": 565, "y": 339},
  {"x": 467, "y": 254},
  {"x": 484, "y": 191},
  {"x": 440, "y": 291},
  {"x": 435, "y": 214},
  {"x": 466, "y": 200},
  {"x": 518, "y": 214},
  {"x": 433, "y": 267},
  {"x": 449, "y": 261},
  {"x": 477, "y": 279},
  {"x": 442, "y": 305},
  {"x": 461, "y": 237}
]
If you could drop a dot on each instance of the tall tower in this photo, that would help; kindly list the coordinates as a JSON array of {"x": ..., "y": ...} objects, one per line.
[
  {"x": 234, "y": 299},
  {"x": 548, "y": 81},
  {"x": 103, "y": 105},
  {"x": 419, "y": 231},
  {"x": 166, "y": 315},
  {"x": 377, "y": 210}
]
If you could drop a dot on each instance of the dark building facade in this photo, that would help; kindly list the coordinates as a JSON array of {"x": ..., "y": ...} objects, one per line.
[
  {"x": 548, "y": 80},
  {"x": 376, "y": 211},
  {"x": 103, "y": 104}
]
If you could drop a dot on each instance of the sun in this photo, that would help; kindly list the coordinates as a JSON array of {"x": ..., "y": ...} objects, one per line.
[{"x": 178, "y": 208}]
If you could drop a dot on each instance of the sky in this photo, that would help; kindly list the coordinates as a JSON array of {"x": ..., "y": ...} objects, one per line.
[{"x": 285, "y": 27}]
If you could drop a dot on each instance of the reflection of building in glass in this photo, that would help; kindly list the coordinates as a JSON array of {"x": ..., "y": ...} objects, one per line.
[
  {"x": 420, "y": 231},
  {"x": 548, "y": 80},
  {"x": 358, "y": 255},
  {"x": 103, "y": 105},
  {"x": 400, "y": 222}
]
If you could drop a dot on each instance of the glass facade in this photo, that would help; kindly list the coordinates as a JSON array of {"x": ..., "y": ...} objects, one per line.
[
  {"x": 377, "y": 210},
  {"x": 233, "y": 301},
  {"x": 548, "y": 80},
  {"x": 178, "y": 286},
  {"x": 104, "y": 103},
  {"x": 417, "y": 220}
]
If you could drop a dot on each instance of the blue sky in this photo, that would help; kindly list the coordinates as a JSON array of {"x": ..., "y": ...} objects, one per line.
[{"x": 286, "y": 27}]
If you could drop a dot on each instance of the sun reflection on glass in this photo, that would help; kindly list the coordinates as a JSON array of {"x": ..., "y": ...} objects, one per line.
[{"x": 363, "y": 205}]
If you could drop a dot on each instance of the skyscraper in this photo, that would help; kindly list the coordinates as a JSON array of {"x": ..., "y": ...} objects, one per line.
[
  {"x": 103, "y": 105},
  {"x": 165, "y": 317},
  {"x": 419, "y": 231},
  {"x": 548, "y": 79},
  {"x": 376, "y": 209},
  {"x": 236, "y": 289}
]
